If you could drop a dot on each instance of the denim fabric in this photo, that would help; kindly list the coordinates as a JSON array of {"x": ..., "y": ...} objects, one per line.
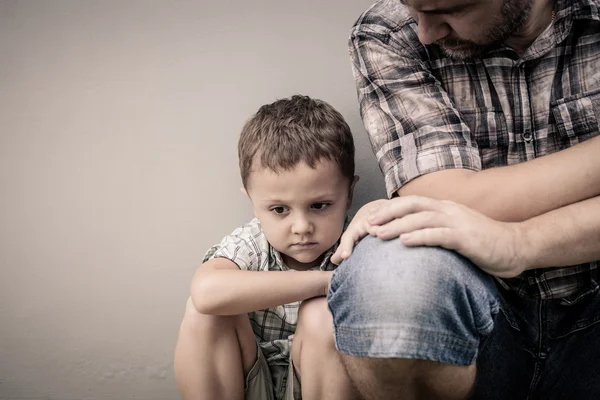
[
  {"x": 390, "y": 301},
  {"x": 542, "y": 350}
]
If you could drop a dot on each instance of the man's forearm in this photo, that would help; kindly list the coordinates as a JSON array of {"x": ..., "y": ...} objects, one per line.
[
  {"x": 567, "y": 236},
  {"x": 232, "y": 292},
  {"x": 522, "y": 191}
]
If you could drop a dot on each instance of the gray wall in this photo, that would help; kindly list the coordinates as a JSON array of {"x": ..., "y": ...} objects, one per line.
[{"x": 118, "y": 130}]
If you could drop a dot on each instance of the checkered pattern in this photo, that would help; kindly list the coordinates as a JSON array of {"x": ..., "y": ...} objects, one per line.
[
  {"x": 248, "y": 247},
  {"x": 425, "y": 112}
]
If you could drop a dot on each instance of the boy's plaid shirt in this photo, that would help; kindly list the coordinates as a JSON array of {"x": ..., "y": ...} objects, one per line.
[
  {"x": 247, "y": 246},
  {"x": 425, "y": 112}
]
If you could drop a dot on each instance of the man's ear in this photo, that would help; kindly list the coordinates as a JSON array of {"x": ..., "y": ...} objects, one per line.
[{"x": 351, "y": 190}]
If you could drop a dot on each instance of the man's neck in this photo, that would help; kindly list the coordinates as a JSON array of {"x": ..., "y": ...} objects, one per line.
[{"x": 540, "y": 17}]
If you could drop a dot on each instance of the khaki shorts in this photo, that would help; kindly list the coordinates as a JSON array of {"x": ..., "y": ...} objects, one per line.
[{"x": 259, "y": 385}]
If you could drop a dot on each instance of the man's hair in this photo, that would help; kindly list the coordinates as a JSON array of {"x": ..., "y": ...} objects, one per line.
[{"x": 288, "y": 131}]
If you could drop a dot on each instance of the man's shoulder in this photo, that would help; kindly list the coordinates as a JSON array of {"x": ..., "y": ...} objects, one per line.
[
  {"x": 580, "y": 9},
  {"x": 383, "y": 18}
]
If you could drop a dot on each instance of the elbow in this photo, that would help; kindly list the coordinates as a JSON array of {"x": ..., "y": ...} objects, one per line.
[{"x": 201, "y": 297}]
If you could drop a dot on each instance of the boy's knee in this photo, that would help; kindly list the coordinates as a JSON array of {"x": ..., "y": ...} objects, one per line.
[
  {"x": 203, "y": 323},
  {"x": 314, "y": 321}
]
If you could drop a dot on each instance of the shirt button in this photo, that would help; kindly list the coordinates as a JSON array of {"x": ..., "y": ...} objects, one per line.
[{"x": 528, "y": 137}]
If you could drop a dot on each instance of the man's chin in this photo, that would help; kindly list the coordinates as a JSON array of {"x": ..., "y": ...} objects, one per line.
[{"x": 461, "y": 52}]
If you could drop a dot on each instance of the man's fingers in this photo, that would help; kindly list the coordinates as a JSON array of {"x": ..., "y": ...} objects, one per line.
[
  {"x": 402, "y": 206},
  {"x": 340, "y": 255},
  {"x": 443, "y": 237},
  {"x": 336, "y": 258},
  {"x": 346, "y": 245},
  {"x": 410, "y": 223}
]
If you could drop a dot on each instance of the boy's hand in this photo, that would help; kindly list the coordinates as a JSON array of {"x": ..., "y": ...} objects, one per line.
[{"x": 357, "y": 229}]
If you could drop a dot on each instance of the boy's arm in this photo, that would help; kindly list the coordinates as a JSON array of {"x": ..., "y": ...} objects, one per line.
[{"x": 219, "y": 287}]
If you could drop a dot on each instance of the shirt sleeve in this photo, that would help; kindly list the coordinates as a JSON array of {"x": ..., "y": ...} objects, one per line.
[
  {"x": 246, "y": 246},
  {"x": 412, "y": 124}
]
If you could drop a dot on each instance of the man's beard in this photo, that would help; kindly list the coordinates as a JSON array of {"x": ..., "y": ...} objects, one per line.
[{"x": 513, "y": 15}]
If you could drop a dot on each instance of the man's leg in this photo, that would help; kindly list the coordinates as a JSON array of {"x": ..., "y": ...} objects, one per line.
[
  {"x": 409, "y": 320},
  {"x": 316, "y": 361},
  {"x": 570, "y": 368},
  {"x": 213, "y": 355},
  {"x": 506, "y": 363}
]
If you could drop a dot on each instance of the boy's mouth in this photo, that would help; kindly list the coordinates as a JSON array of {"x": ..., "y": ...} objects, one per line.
[{"x": 304, "y": 245}]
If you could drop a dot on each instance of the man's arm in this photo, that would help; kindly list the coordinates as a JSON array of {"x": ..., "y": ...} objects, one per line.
[
  {"x": 425, "y": 149},
  {"x": 519, "y": 192},
  {"x": 219, "y": 287},
  {"x": 567, "y": 236}
]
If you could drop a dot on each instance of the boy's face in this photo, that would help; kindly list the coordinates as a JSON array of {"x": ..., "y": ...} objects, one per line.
[{"x": 302, "y": 210}]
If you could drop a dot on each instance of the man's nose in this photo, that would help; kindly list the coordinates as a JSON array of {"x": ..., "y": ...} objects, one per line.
[{"x": 431, "y": 28}]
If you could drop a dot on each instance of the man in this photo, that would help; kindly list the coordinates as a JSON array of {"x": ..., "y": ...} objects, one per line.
[{"x": 483, "y": 115}]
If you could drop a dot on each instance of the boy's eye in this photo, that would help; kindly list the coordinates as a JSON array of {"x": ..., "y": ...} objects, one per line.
[
  {"x": 279, "y": 209},
  {"x": 320, "y": 206}
]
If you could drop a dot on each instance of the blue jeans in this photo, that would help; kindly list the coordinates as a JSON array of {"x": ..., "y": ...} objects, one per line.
[{"x": 391, "y": 301}]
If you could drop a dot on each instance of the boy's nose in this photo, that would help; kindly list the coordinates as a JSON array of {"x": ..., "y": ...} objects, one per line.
[{"x": 302, "y": 225}]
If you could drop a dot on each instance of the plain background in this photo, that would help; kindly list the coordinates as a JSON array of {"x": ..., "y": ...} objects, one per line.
[{"x": 118, "y": 169}]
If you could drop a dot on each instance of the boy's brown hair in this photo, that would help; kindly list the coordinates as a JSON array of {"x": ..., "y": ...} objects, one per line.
[{"x": 288, "y": 131}]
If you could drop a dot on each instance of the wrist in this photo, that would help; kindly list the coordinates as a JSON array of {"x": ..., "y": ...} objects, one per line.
[
  {"x": 525, "y": 248},
  {"x": 326, "y": 281}
]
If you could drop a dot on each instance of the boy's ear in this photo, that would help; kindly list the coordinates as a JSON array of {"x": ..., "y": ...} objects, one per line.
[
  {"x": 245, "y": 193},
  {"x": 351, "y": 192}
]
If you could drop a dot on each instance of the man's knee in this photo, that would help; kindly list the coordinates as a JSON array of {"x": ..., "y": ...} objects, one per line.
[
  {"x": 389, "y": 265},
  {"x": 388, "y": 300},
  {"x": 392, "y": 277}
]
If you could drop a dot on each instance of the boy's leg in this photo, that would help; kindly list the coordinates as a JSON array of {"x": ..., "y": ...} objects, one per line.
[
  {"x": 315, "y": 359},
  {"x": 410, "y": 320},
  {"x": 213, "y": 355}
]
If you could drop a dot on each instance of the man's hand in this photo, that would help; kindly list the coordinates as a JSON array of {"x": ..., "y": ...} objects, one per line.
[
  {"x": 420, "y": 221},
  {"x": 357, "y": 229}
]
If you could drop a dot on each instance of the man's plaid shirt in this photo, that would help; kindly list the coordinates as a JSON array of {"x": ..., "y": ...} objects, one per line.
[
  {"x": 247, "y": 246},
  {"x": 425, "y": 112}
]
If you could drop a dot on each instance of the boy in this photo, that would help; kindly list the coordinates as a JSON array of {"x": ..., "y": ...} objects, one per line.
[{"x": 296, "y": 159}]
